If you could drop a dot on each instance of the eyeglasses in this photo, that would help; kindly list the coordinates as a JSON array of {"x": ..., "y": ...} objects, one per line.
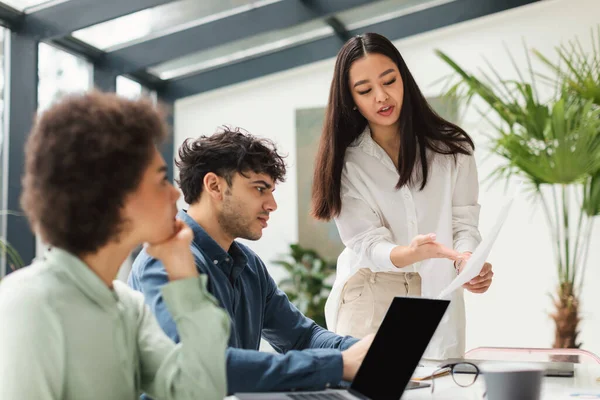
[{"x": 464, "y": 374}]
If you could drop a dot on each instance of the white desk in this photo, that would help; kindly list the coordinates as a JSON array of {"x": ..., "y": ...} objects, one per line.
[{"x": 586, "y": 380}]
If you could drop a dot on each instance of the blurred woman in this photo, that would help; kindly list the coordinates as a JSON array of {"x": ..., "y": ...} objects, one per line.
[{"x": 95, "y": 188}]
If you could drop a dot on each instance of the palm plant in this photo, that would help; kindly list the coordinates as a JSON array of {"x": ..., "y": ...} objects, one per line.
[
  {"x": 13, "y": 259},
  {"x": 581, "y": 71},
  {"x": 555, "y": 146},
  {"x": 306, "y": 285}
]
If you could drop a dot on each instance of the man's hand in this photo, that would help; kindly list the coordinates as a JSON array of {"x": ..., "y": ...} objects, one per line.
[
  {"x": 482, "y": 282},
  {"x": 354, "y": 355},
  {"x": 175, "y": 253}
]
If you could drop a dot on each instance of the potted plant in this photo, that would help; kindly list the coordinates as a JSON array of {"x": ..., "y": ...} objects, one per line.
[
  {"x": 13, "y": 259},
  {"x": 307, "y": 285},
  {"x": 555, "y": 146}
]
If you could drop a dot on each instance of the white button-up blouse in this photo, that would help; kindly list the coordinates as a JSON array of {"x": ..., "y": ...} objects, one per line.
[{"x": 375, "y": 217}]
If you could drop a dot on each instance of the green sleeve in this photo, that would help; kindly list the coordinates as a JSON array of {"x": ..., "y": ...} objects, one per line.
[
  {"x": 32, "y": 347},
  {"x": 194, "y": 368}
]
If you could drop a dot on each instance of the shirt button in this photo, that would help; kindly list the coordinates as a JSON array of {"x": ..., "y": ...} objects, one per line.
[
  {"x": 227, "y": 259},
  {"x": 215, "y": 262}
]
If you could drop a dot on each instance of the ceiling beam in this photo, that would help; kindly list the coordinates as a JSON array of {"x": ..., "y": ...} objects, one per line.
[
  {"x": 95, "y": 56},
  {"x": 339, "y": 28},
  {"x": 10, "y": 18},
  {"x": 337, "y": 25},
  {"x": 69, "y": 16},
  {"x": 406, "y": 25},
  {"x": 54, "y": 24},
  {"x": 254, "y": 21}
]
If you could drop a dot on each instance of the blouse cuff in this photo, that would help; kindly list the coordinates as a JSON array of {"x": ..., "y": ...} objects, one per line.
[{"x": 382, "y": 255}]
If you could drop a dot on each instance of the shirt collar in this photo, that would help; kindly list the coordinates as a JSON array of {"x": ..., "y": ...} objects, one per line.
[
  {"x": 366, "y": 143},
  {"x": 83, "y": 277},
  {"x": 231, "y": 262}
]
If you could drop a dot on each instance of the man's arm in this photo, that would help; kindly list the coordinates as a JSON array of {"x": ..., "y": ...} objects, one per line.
[
  {"x": 256, "y": 371},
  {"x": 252, "y": 370},
  {"x": 196, "y": 367},
  {"x": 31, "y": 346},
  {"x": 286, "y": 328}
]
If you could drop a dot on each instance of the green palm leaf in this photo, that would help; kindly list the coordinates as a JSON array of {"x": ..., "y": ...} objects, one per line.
[
  {"x": 552, "y": 143},
  {"x": 592, "y": 195},
  {"x": 580, "y": 69}
]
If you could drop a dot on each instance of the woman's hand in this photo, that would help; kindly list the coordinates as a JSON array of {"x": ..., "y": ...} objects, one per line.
[
  {"x": 426, "y": 247},
  {"x": 482, "y": 282},
  {"x": 175, "y": 253}
]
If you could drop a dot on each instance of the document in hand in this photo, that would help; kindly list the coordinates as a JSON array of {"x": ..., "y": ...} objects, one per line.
[{"x": 475, "y": 263}]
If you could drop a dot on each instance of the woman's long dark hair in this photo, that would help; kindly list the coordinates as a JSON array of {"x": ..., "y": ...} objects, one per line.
[{"x": 420, "y": 128}]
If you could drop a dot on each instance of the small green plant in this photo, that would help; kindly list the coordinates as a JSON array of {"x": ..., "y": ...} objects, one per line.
[
  {"x": 306, "y": 286},
  {"x": 13, "y": 258}
]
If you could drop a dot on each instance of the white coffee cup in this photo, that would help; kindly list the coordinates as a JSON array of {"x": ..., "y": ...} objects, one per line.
[{"x": 512, "y": 380}]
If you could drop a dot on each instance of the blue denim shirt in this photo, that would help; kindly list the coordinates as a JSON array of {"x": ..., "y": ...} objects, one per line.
[{"x": 308, "y": 355}]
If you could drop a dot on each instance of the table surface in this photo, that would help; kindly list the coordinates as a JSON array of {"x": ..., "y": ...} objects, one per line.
[{"x": 584, "y": 385}]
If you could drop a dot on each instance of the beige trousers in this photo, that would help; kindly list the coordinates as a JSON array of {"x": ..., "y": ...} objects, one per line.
[{"x": 367, "y": 296}]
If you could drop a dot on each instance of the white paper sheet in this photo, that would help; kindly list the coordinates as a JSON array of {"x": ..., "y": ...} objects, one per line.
[{"x": 480, "y": 255}]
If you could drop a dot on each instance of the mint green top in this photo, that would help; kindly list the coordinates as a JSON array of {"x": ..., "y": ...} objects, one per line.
[{"x": 65, "y": 335}]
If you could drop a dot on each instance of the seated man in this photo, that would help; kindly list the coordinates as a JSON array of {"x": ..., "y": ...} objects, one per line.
[
  {"x": 95, "y": 188},
  {"x": 228, "y": 181}
]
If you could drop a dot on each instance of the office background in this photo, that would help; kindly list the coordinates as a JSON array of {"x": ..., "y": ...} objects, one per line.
[{"x": 260, "y": 65}]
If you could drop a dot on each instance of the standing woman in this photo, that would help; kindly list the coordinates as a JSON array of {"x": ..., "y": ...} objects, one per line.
[{"x": 401, "y": 184}]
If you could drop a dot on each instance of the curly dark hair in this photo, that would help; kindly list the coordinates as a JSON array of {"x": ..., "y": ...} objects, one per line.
[
  {"x": 228, "y": 151},
  {"x": 83, "y": 157}
]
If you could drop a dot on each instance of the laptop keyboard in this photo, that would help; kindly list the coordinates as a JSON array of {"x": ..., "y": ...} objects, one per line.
[{"x": 316, "y": 396}]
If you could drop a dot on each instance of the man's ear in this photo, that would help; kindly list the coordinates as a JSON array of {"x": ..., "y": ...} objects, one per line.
[{"x": 214, "y": 185}]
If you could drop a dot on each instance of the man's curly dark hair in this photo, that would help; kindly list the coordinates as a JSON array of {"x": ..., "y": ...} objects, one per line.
[{"x": 225, "y": 153}]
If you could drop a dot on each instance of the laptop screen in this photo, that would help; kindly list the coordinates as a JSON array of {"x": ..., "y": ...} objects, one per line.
[{"x": 398, "y": 346}]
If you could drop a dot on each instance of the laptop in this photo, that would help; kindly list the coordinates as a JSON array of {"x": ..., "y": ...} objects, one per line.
[{"x": 397, "y": 348}]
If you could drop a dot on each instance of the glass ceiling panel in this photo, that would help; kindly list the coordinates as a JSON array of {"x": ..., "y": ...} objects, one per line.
[
  {"x": 269, "y": 42},
  {"x": 23, "y": 5},
  {"x": 157, "y": 21},
  {"x": 261, "y": 44},
  {"x": 384, "y": 10}
]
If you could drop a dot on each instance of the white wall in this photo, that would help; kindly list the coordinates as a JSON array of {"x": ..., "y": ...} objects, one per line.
[{"x": 515, "y": 310}]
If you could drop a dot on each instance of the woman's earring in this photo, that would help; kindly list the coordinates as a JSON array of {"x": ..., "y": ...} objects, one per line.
[{"x": 354, "y": 108}]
